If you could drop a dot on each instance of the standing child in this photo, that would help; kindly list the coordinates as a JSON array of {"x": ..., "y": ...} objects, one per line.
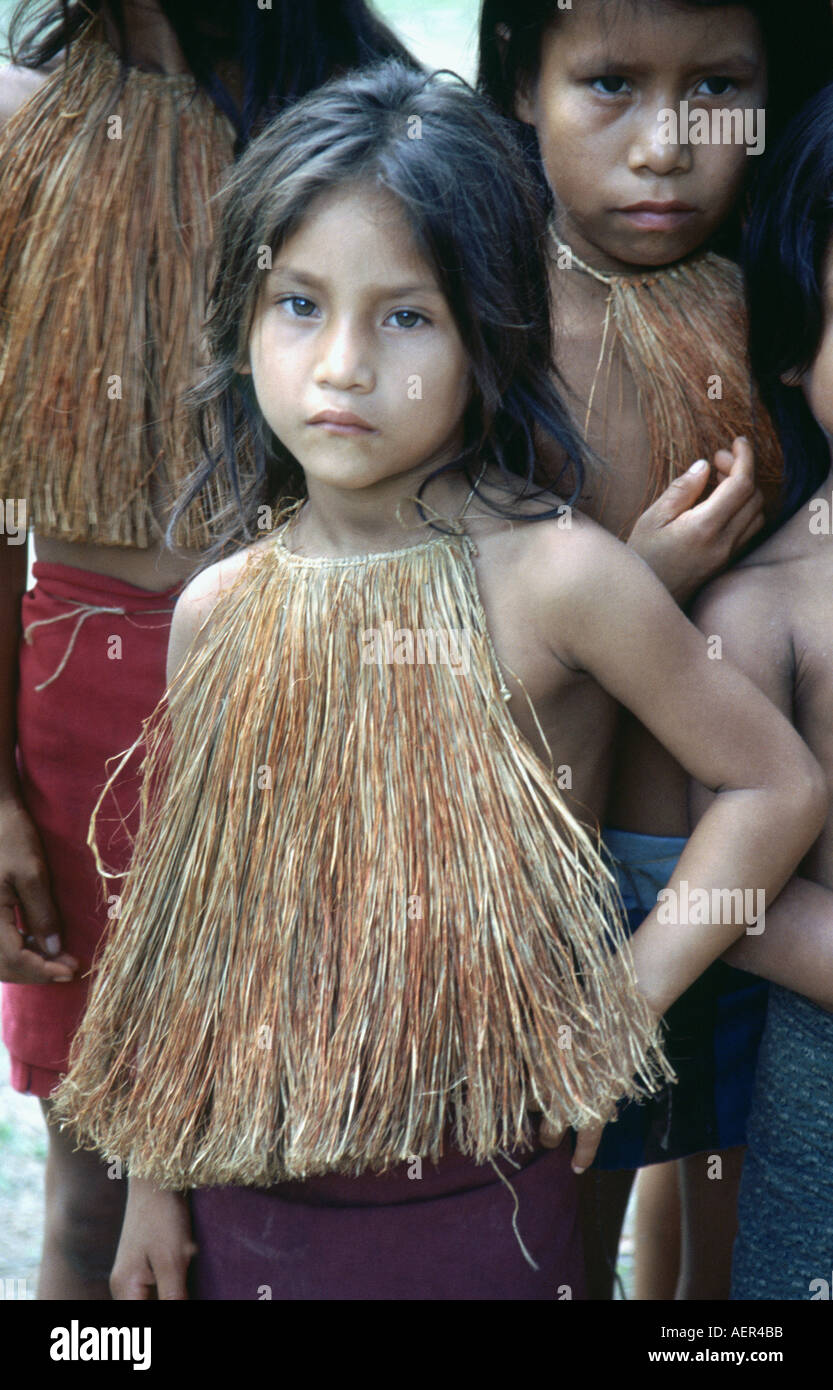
[
  {"x": 107, "y": 170},
  {"x": 774, "y": 616},
  {"x": 364, "y": 929},
  {"x": 651, "y": 119}
]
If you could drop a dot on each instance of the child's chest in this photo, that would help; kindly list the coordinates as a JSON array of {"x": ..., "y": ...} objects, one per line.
[
  {"x": 564, "y": 715},
  {"x": 604, "y": 403}
]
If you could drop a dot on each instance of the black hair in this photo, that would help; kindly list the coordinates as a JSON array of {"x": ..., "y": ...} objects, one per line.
[
  {"x": 798, "y": 45},
  {"x": 787, "y": 239},
  {"x": 474, "y": 214},
  {"x": 284, "y": 51}
]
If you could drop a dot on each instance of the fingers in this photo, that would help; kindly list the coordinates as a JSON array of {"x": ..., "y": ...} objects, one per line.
[
  {"x": 550, "y": 1135},
  {"x": 163, "y": 1279},
  {"x": 747, "y": 523},
  {"x": 171, "y": 1275},
  {"x": 733, "y": 493},
  {"x": 21, "y": 964},
  {"x": 721, "y": 516},
  {"x": 744, "y": 464},
  {"x": 38, "y": 910},
  {"x": 749, "y": 531},
  {"x": 723, "y": 462},
  {"x": 131, "y": 1283},
  {"x": 681, "y": 494},
  {"x": 587, "y": 1142}
]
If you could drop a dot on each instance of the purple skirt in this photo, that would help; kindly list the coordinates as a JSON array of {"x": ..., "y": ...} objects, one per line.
[{"x": 443, "y": 1233}]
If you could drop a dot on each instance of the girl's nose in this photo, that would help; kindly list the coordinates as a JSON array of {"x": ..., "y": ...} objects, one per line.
[
  {"x": 656, "y": 144},
  {"x": 344, "y": 358}
]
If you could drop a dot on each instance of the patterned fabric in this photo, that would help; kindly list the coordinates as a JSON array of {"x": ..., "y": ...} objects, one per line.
[{"x": 784, "y": 1248}]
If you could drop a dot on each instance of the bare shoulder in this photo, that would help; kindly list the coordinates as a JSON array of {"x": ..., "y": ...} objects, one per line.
[
  {"x": 202, "y": 593},
  {"x": 741, "y": 597},
  {"x": 570, "y": 552},
  {"x": 17, "y": 85},
  {"x": 575, "y": 584},
  {"x": 761, "y": 589},
  {"x": 199, "y": 598}
]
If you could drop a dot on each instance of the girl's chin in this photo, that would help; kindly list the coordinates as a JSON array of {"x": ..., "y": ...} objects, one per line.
[
  {"x": 347, "y": 478},
  {"x": 653, "y": 251}
]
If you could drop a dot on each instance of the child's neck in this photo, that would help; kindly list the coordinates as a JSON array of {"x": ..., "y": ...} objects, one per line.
[
  {"x": 600, "y": 259},
  {"x": 340, "y": 521}
]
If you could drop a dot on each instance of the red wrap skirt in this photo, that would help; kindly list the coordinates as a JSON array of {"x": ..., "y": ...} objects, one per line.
[
  {"x": 456, "y": 1231},
  {"x": 92, "y": 668}
]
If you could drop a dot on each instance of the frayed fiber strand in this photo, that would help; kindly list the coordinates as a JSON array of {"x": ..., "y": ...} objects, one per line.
[{"x": 380, "y": 944}]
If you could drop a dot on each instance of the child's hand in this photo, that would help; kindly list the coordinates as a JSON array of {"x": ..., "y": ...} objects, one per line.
[
  {"x": 36, "y": 959},
  {"x": 686, "y": 544},
  {"x": 155, "y": 1247},
  {"x": 587, "y": 1142}
]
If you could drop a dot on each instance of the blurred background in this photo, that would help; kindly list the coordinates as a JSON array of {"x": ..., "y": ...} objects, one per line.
[{"x": 442, "y": 33}]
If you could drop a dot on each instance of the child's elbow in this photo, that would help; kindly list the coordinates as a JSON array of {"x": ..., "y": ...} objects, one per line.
[{"x": 815, "y": 795}]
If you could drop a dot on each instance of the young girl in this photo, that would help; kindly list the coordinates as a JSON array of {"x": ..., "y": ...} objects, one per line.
[
  {"x": 107, "y": 168},
  {"x": 773, "y": 614},
  {"x": 366, "y": 932},
  {"x": 653, "y": 342}
]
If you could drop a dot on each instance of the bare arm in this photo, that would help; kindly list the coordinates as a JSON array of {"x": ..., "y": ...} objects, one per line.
[
  {"x": 795, "y": 949},
  {"x": 769, "y": 796}
]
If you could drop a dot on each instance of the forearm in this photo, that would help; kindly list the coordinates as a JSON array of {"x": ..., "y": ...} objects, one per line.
[
  {"x": 796, "y": 948},
  {"x": 736, "y": 862},
  {"x": 12, "y": 586}
]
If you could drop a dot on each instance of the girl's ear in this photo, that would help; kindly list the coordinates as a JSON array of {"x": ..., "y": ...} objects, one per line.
[
  {"x": 244, "y": 369},
  {"x": 523, "y": 106}
]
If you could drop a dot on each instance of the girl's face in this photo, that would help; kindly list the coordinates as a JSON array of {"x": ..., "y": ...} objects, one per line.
[
  {"x": 357, "y": 362},
  {"x": 627, "y": 196}
]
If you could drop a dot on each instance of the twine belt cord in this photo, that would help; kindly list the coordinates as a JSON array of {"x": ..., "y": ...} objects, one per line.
[{"x": 81, "y": 611}]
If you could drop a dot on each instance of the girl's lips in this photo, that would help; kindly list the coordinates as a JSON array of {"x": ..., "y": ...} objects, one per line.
[
  {"x": 657, "y": 219},
  {"x": 333, "y": 427},
  {"x": 341, "y": 422}
]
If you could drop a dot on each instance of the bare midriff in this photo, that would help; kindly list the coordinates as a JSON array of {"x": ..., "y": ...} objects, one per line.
[{"x": 154, "y": 568}]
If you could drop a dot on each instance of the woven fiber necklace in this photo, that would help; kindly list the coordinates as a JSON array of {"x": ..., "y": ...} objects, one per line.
[{"x": 682, "y": 333}]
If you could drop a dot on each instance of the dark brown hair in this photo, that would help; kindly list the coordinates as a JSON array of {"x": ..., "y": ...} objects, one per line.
[{"x": 454, "y": 167}]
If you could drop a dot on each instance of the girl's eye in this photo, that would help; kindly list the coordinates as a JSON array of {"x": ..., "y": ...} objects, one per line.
[
  {"x": 724, "y": 84},
  {"x": 407, "y": 318},
  {"x": 610, "y": 86},
  {"x": 301, "y": 307}
]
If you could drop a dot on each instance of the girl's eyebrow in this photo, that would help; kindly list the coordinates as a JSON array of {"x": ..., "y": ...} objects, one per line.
[
  {"x": 738, "y": 62},
  {"x": 612, "y": 64},
  {"x": 380, "y": 291}
]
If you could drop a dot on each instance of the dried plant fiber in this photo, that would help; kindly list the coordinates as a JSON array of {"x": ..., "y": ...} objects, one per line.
[
  {"x": 105, "y": 266},
  {"x": 682, "y": 333},
  {"x": 323, "y": 974}
]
